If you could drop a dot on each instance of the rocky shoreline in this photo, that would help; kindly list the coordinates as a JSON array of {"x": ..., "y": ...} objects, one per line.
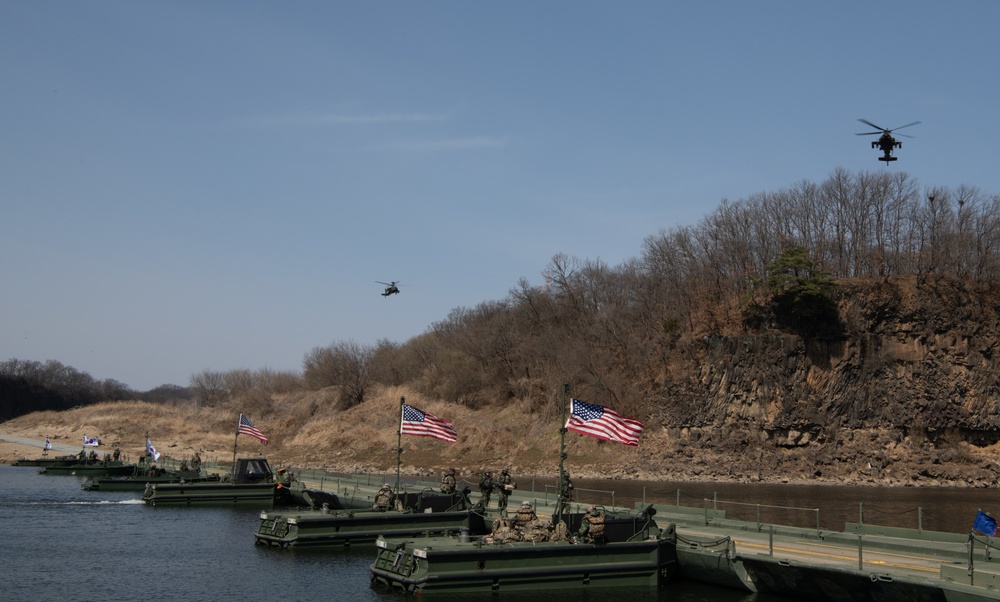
[{"x": 698, "y": 471}]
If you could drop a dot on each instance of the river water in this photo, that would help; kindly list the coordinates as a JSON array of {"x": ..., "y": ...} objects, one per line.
[{"x": 64, "y": 543}]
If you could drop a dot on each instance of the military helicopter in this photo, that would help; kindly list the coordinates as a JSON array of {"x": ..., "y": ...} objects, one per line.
[
  {"x": 391, "y": 288},
  {"x": 886, "y": 142}
]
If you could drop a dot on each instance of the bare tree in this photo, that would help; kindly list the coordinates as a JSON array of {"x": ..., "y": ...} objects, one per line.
[
  {"x": 209, "y": 387},
  {"x": 345, "y": 364}
]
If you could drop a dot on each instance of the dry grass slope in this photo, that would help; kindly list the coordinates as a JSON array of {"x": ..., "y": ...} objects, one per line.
[{"x": 307, "y": 432}]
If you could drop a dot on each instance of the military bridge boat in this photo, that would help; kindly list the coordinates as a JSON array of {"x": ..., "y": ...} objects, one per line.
[
  {"x": 408, "y": 514},
  {"x": 252, "y": 483},
  {"x": 141, "y": 477},
  {"x": 632, "y": 551},
  {"x": 90, "y": 468},
  {"x": 47, "y": 461}
]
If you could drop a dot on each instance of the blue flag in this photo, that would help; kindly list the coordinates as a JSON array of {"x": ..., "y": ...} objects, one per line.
[{"x": 985, "y": 524}]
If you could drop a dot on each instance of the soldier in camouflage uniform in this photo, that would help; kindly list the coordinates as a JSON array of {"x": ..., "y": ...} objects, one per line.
[
  {"x": 448, "y": 481},
  {"x": 566, "y": 493},
  {"x": 505, "y": 485},
  {"x": 383, "y": 498},
  {"x": 505, "y": 530},
  {"x": 486, "y": 486},
  {"x": 525, "y": 515},
  {"x": 531, "y": 527},
  {"x": 592, "y": 526}
]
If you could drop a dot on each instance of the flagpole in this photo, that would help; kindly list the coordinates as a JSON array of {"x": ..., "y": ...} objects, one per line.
[
  {"x": 562, "y": 458},
  {"x": 399, "y": 443},
  {"x": 235, "y": 442}
]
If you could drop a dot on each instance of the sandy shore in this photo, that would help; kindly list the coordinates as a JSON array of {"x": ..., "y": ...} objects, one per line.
[
  {"x": 11, "y": 452},
  {"x": 30, "y": 448}
]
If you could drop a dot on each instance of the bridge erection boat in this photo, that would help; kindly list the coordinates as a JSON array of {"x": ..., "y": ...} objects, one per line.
[
  {"x": 633, "y": 551},
  {"x": 141, "y": 477},
  {"x": 425, "y": 513},
  {"x": 89, "y": 468},
  {"x": 252, "y": 483}
]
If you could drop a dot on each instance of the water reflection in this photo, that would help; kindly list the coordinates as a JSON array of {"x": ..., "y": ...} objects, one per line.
[{"x": 827, "y": 507}]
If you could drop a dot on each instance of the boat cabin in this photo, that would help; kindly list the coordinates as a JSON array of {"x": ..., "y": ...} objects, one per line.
[
  {"x": 252, "y": 470},
  {"x": 429, "y": 500}
]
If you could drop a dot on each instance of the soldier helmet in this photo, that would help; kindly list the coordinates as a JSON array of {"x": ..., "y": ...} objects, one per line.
[
  {"x": 489, "y": 473},
  {"x": 506, "y": 469},
  {"x": 451, "y": 471},
  {"x": 592, "y": 511},
  {"x": 526, "y": 504},
  {"x": 385, "y": 486}
]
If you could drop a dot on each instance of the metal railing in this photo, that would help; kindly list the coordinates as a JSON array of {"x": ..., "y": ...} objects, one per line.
[{"x": 760, "y": 524}]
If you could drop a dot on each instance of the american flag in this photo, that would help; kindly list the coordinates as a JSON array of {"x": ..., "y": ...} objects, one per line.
[
  {"x": 422, "y": 424},
  {"x": 603, "y": 423},
  {"x": 247, "y": 428}
]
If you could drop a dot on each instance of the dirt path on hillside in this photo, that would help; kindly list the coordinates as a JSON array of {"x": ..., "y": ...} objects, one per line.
[{"x": 13, "y": 448}]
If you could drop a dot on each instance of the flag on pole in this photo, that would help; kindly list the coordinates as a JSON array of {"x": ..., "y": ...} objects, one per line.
[
  {"x": 247, "y": 428},
  {"x": 985, "y": 524},
  {"x": 421, "y": 424},
  {"x": 91, "y": 441},
  {"x": 48, "y": 444},
  {"x": 152, "y": 450},
  {"x": 603, "y": 423}
]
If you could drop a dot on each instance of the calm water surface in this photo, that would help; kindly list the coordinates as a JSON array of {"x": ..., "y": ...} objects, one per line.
[{"x": 63, "y": 543}]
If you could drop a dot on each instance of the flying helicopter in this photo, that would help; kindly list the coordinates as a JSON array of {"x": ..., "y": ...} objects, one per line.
[
  {"x": 391, "y": 288},
  {"x": 886, "y": 142}
]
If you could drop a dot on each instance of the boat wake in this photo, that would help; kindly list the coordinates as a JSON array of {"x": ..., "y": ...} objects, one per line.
[
  {"x": 88, "y": 503},
  {"x": 108, "y": 503}
]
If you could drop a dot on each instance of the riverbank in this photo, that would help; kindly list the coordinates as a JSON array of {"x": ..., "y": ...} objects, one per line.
[{"x": 307, "y": 434}]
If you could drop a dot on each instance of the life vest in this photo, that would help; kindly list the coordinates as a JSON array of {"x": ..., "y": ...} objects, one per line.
[
  {"x": 524, "y": 516},
  {"x": 596, "y": 529}
]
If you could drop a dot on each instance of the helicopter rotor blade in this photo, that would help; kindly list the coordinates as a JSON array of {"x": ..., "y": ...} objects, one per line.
[
  {"x": 904, "y": 126},
  {"x": 905, "y": 135},
  {"x": 385, "y": 283},
  {"x": 877, "y": 127},
  {"x": 869, "y": 133}
]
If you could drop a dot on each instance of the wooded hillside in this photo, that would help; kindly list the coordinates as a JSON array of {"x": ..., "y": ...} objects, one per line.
[{"x": 827, "y": 326}]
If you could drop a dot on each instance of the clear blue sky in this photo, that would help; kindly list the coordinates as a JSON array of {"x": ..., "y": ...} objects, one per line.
[{"x": 192, "y": 186}]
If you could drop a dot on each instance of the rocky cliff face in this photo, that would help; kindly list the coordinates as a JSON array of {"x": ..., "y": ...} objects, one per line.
[{"x": 908, "y": 392}]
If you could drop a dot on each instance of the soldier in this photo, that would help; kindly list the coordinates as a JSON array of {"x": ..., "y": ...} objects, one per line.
[
  {"x": 383, "y": 498},
  {"x": 83, "y": 455},
  {"x": 505, "y": 485},
  {"x": 448, "y": 481},
  {"x": 196, "y": 462},
  {"x": 486, "y": 486},
  {"x": 525, "y": 515},
  {"x": 504, "y": 531},
  {"x": 592, "y": 526},
  {"x": 117, "y": 454},
  {"x": 184, "y": 466},
  {"x": 283, "y": 478},
  {"x": 566, "y": 494}
]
